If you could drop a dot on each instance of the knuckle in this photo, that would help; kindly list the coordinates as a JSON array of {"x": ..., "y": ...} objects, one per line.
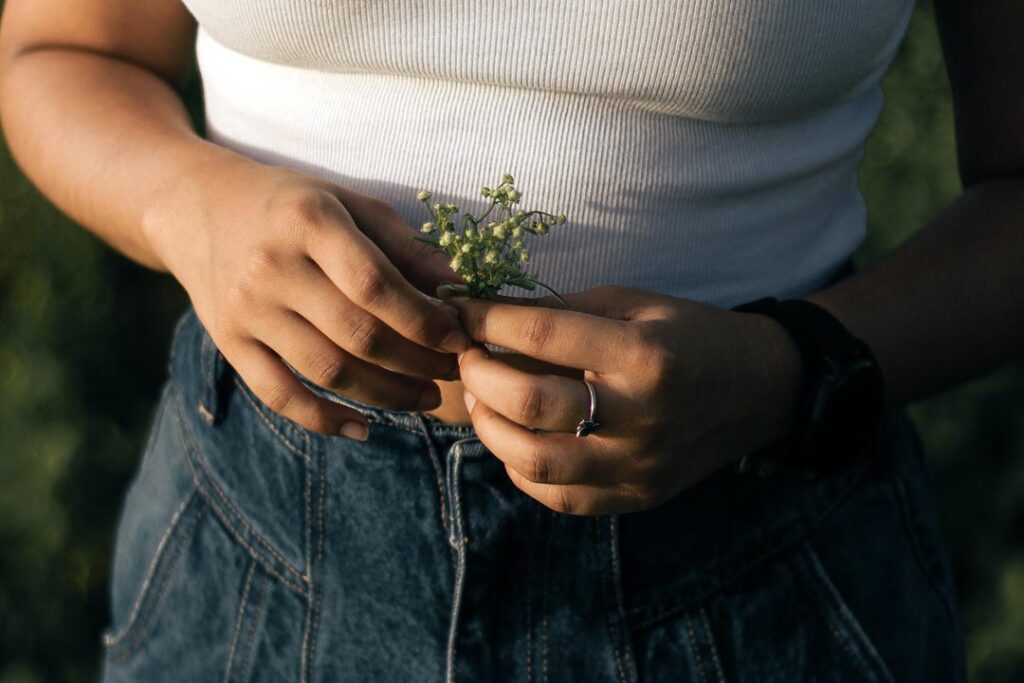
[
  {"x": 305, "y": 209},
  {"x": 537, "y": 466},
  {"x": 329, "y": 370},
  {"x": 366, "y": 338},
  {"x": 560, "y": 500},
  {"x": 529, "y": 405},
  {"x": 276, "y": 397},
  {"x": 537, "y": 331},
  {"x": 369, "y": 285}
]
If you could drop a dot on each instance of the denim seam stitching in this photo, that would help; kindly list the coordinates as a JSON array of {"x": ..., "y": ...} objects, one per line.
[
  {"x": 114, "y": 638},
  {"x": 901, "y": 494},
  {"x": 300, "y": 450},
  {"x": 259, "y": 605},
  {"x": 695, "y": 648},
  {"x": 628, "y": 657},
  {"x": 862, "y": 651},
  {"x": 315, "y": 598},
  {"x": 609, "y": 621},
  {"x": 222, "y": 512},
  {"x": 545, "y": 605},
  {"x": 786, "y": 537},
  {"x": 161, "y": 590},
  {"x": 459, "y": 540},
  {"x": 706, "y": 624},
  {"x": 238, "y": 619},
  {"x": 308, "y": 543},
  {"x": 435, "y": 463}
]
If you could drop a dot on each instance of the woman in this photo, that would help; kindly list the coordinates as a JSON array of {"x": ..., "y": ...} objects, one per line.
[{"x": 406, "y": 506}]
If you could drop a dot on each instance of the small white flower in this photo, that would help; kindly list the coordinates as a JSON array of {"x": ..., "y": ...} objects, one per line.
[
  {"x": 427, "y": 227},
  {"x": 491, "y": 256},
  {"x": 524, "y": 256},
  {"x": 446, "y": 238},
  {"x": 456, "y": 263},
  {"x": 500, "y": 231},
  {"x": 514, "y": 195},
  {"x": 466, "y": 248},
  {"x": 423, "y": 195},
  {"x": 507, "y": 178},
  {"x": 517, "y": 232}
]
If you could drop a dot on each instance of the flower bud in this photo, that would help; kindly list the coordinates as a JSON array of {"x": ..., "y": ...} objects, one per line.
[
  {"x": 524, "y": 256},
  {"x": 437, "y": 207},
  {"x": 423, "y": 195},
  {"x": 507, "y": 178},
  {"x": 491, "y": 256},
  {"x": 542, "y": 228},
  {"x": 466, "y": 248},
  {"x": 500, "y": 231},
  {"x": 452, "y": 208},
  {"x": 485, "y": 191},
  {"x": 427, "y": 227},
  {"x": 456, "y": 263},
  {"x": 446, "y": 238},
  {"x": 517, "y": 232},
  {"x": 514, "y": 195},
  {"x": 560, "y": 218}
]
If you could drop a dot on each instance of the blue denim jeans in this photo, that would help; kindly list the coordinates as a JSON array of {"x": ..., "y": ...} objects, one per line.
[{"x": 250, "y": 549}]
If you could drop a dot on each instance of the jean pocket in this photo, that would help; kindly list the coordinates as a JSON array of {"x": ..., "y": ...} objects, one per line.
[
  {"x": 189, "y": 601},
  {"x": 784, "y": 621}
]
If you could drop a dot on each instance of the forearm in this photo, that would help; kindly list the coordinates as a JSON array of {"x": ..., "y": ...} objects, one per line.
[
  {"x": 946, "y": 305},
  {"x": 103, "y": 139}
]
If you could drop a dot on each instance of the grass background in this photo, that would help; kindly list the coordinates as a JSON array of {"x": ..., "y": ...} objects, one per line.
[{"x": 83, "y": 343}]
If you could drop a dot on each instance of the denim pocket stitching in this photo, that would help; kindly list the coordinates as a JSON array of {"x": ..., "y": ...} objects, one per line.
[
  {"x": 301, "y": 445},
  {"x": 113, "y": 639},
  {"x": 138, "y": 630},
  {"x": 238, "y": 619},
  {"x": 230, "y": 516},
  {"x": 842, "y": 622},
  {"x": 706, "y": 625}
]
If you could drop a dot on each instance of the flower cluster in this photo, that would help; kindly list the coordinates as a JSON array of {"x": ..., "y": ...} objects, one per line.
[{"x": 488, "y": 255}]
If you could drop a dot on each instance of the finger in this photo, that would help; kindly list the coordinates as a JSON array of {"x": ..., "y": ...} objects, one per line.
[
  {"x": 323, "y": 363},
  {"x": 550, "y": 402},
  {"x": 579, "y": 499},
  {"x": 606, "y": 301},
  {"x": 424, "y": 266},
  {"x": 550, "y": 457},
  {"x": 364, "y": 336},
  {"x": 275, "y": 385},
  {"x": 363, "y": 273},
  {"x": 576, "y": 340}
]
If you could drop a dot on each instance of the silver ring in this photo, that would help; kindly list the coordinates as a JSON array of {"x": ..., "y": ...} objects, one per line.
[{"x": 589, "y": 425}]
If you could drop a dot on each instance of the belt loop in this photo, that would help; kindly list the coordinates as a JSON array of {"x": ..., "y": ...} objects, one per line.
[{"x": 215, "y": 374}]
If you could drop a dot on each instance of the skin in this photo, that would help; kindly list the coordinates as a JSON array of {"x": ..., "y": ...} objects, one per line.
[{"x": 683, "y": 388}]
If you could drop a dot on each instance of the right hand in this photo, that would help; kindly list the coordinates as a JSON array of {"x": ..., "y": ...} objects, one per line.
[{"x": 283, "y": 267}]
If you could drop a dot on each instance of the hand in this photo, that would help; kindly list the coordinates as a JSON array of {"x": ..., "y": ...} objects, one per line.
[
  {"x": 682, "y": 390},
  {"x": 284, "y": 268}
]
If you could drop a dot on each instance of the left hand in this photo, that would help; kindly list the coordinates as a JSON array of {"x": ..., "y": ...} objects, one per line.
[{"x": 683, "y": 389}]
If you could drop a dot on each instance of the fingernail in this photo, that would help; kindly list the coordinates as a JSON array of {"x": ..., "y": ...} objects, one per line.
[
  {"x": 429, "y": 399},
  {"x": 355, "y": 430},
  {"x": 470, "y": 400}
]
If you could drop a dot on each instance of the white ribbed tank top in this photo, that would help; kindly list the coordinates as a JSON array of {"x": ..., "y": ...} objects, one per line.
[{"x": 700, "y": 148}]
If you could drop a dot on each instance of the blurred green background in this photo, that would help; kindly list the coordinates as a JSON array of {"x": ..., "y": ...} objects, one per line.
[{"x": 84, "y": 335}]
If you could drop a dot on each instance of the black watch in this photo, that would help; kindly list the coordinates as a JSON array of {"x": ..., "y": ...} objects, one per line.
[{"x": 842, "y": 395}]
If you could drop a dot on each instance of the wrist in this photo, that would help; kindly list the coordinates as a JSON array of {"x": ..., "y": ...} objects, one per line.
[
  {"x": 175, "y": 221},
  {"x": 778, "y": 374}
]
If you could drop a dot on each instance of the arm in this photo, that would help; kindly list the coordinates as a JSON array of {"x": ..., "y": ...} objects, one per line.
[
  {"x": 946, "y": 305},
  {"x": 282, "y": 268}
]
